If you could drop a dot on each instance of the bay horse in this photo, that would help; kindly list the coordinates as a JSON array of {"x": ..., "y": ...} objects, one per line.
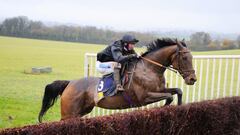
[{"x": 147, "y": 85}]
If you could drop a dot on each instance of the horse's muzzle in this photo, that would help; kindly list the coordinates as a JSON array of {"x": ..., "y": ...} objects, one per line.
[{"x": 191, "y": 79}]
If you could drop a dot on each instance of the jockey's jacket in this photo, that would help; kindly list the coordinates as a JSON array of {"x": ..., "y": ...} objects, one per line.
[{"x": 116, "y": 52}]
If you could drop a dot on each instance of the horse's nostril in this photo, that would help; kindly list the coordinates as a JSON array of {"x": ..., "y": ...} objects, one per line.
[{"x": 193, "y": 79}]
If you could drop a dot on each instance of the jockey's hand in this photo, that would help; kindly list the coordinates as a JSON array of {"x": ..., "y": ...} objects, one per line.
[
  {"x": 132, "y": 56},
  {"x": 138, "y": 56}
]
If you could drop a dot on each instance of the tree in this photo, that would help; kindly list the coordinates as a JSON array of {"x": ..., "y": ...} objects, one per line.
[
  {"x": 15, "y": 26},
  {"x": 200, "y": 41},
  {"x": 238, "y": 41},
  {"x": 228, "y": 44},
  {"x": 214, "y": 45}
]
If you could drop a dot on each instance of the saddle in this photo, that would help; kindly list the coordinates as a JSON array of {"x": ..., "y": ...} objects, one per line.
[{"x": 107, "y": 86}]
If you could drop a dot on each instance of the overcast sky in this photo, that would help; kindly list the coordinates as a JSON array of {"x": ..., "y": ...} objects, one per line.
[{"x": 201, "y": 15}]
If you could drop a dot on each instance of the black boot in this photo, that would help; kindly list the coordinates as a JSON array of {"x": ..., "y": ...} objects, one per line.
[{"x": 117, "y": 79}]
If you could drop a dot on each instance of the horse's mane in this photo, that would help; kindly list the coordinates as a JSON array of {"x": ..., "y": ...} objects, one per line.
[{"x": 161, "y": 43}]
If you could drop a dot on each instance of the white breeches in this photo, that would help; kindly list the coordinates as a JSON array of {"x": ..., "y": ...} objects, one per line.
[{"x": 107, "y": 67}]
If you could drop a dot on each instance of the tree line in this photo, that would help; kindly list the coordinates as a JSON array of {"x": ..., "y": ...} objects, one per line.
[
  {"x": 21, "y": 26},
  {"x": 202, "y": 41}
]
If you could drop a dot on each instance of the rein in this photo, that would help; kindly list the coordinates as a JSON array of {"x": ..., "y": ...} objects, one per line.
[{"x": 159, "y": 64}]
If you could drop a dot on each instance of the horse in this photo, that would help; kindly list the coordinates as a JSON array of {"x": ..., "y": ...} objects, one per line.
[{"x": 147, "y": 85}]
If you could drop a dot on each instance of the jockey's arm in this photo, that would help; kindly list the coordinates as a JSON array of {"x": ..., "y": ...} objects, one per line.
[{"x": 118, "y": 56}]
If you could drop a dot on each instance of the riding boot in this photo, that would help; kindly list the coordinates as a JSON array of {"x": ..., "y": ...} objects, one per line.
[{"x": 117, "y": 79}]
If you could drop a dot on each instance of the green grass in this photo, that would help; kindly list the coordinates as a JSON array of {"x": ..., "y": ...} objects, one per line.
[{"x": 21, "y": 94}]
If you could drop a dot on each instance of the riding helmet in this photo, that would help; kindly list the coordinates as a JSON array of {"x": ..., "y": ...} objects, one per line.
[{"x": 129, "y": 39}]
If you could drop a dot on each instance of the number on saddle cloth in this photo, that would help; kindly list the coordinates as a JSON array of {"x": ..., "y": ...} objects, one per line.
[{"x": 107, "y": 85}]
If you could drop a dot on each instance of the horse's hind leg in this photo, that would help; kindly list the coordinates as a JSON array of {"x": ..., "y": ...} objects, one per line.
[
  {"x": 76, "y": 106},
  {"x": 69, "y": 109},
  {"x": 87, "y": 105},
  {"x": 173, "y": 91}
]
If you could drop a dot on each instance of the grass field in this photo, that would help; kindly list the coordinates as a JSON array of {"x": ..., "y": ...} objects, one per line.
[{"x": 21, "y": 94}]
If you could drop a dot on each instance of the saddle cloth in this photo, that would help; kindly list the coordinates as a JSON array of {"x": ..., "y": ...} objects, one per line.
[{"x": 106, "y": 86}]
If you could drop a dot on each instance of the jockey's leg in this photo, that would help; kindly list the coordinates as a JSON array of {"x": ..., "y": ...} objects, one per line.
[{"x": 117, "y": 78}]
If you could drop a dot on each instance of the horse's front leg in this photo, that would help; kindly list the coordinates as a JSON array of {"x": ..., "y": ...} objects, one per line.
[
  {"x": 173, "y": 91},
  {"x": 157, "y": 96}
]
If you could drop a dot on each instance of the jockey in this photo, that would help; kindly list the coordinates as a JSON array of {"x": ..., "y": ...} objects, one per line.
[{"x": 118, "y": 53}]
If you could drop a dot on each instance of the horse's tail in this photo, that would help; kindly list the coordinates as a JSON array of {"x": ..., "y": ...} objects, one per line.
[{"x": 52, "y": 91}]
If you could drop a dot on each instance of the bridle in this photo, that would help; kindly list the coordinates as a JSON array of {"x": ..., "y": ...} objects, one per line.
[{"x": 184, "y": 73}]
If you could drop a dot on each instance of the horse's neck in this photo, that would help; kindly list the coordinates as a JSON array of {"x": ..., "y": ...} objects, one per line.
[
  {"x": 163, "y": 56},
  {"x": 149, "y": 75}
]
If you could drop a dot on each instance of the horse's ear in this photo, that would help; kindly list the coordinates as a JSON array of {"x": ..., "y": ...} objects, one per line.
[
  {"x": 183, "y": 40},
  {"x": 179, "y": 44}
]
